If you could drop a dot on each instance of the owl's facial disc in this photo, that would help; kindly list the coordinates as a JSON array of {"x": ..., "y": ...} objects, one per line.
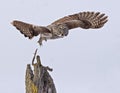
[{"x": 63, "y": 29}]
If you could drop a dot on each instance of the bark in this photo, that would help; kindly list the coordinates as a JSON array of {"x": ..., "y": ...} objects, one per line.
[{"x": 39, "y": 79}]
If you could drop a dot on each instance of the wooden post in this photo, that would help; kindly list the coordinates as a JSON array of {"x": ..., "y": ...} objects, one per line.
[{"x": 39, "y": 79}]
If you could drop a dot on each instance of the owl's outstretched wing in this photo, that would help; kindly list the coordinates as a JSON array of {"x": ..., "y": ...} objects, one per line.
[
  {"x": 29, "y": 30},
  {"x": 84, "y": 20}
]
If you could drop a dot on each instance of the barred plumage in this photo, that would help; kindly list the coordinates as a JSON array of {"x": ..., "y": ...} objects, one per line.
[{"x": 61, "y": 27}]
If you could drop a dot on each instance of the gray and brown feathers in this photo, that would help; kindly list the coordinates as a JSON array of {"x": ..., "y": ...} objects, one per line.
[{"x": 61, "y": 27}]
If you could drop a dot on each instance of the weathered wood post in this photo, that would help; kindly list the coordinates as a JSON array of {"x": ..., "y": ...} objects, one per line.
[{"x": 39, "y": 79}]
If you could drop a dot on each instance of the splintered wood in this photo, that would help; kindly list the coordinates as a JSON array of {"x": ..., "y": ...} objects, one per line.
[{"x": 39, "y": 79}]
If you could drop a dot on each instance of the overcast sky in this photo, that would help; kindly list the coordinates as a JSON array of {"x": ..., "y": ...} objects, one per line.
[{"x": 86, "y": 61}]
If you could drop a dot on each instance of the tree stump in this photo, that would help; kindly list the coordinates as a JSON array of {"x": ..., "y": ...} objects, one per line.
[{"x": 39, "y": 79}]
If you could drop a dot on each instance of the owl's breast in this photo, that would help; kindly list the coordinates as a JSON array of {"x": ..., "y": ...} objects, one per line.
[
  {"x": 50, "y": 36},
  {"x": 46, "y": 35}
]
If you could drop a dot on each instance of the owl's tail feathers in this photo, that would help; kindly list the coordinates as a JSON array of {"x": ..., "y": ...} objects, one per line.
[
  {"x": 92, "y": 20},
  {"x": 29, "y": 30}
]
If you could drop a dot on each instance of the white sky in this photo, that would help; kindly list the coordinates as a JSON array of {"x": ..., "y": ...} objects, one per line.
[{"x": 86, "y": 61}]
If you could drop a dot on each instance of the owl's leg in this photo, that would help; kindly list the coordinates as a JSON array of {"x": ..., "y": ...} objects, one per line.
[
  {"x": 41, "y": 39},
  {"x": 45, "y": 38},
  {"x": 40, "y": 42}
]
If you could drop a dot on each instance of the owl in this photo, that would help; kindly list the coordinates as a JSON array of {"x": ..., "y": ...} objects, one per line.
[{"x": 61, "y": 27}]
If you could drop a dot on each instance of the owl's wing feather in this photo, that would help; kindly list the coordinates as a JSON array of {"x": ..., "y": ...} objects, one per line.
[
  {"x": 84, "y": 20},
  {"x": 92, "y": 19},
  {"x": 29, "y": 30}
]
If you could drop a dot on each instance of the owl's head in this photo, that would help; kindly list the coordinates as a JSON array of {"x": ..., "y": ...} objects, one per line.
[{"x": 60, "y": 30}]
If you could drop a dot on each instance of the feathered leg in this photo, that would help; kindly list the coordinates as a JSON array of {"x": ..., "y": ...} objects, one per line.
[{"x": 41, "y": 39}]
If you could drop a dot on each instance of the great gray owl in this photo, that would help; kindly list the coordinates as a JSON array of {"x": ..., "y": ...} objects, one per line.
[{"x": 61, "y": 27}]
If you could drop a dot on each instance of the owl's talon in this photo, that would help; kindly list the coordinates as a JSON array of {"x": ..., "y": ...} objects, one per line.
[
  {"x": 40, "y": 43},
  {"x": 45, "y": 39}
]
